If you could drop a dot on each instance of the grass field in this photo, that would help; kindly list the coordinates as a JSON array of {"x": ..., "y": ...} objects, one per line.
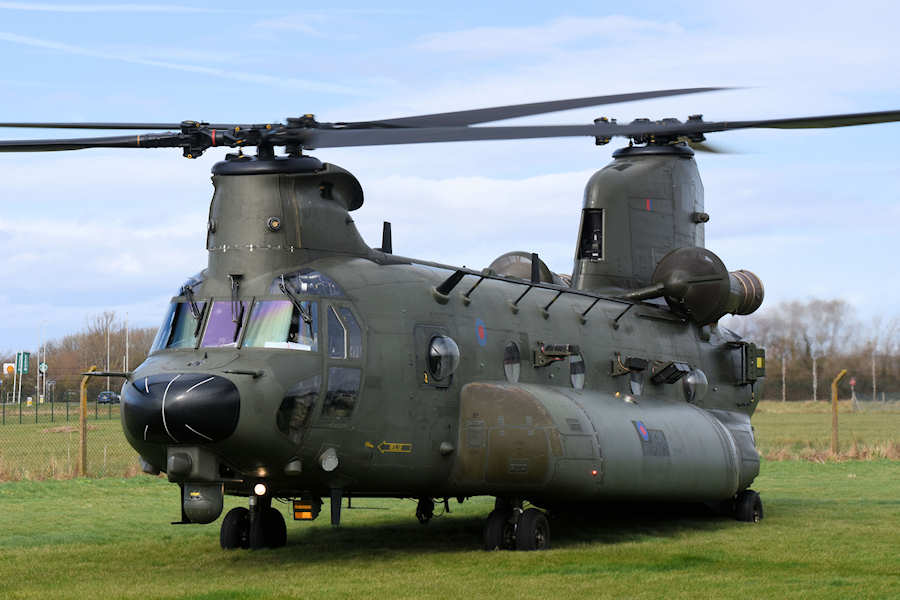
[
  {"x": 830, "y": 532},
  {"x": 790, "y": 430}
]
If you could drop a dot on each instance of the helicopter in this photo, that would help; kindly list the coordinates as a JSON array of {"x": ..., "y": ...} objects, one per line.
[{"x": 302, "y": 364}]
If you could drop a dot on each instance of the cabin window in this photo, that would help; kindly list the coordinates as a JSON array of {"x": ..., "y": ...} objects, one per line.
[
  {"x": 576, "y": 371},
  {"x": 280, "y": 324},
  {"x": 342, "y": 394},
  {"x": 295, "y": 410},
  {"x": 591, "y": 244},
  {"x": 224, "y": 325},
  {"x": 512, "y": 362},
  {"x": 179, "y": 329},
  {"x": 443, "y": 357}
]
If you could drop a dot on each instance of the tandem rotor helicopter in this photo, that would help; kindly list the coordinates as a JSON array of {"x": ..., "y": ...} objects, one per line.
[{"x": 303, "y": 364}]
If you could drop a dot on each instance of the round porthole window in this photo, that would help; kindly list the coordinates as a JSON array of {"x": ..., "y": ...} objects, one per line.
[
  {"x": 695, "y": 385},
  {"x": 512, "y": 362},
  {"x": 443, "y": 357},
  {"x": 576, "y": 371}
]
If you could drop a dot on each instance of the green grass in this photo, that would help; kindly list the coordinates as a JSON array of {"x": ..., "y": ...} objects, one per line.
[
  {"x": 830, "y": 532},
  {"x": 50, "y": 450},
  {"x": 803, "y": 430}
]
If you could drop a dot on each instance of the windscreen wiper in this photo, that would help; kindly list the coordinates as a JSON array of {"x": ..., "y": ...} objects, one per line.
[
  {"x": 188, "y": 293},
  {"x": 296, "y": 302}
]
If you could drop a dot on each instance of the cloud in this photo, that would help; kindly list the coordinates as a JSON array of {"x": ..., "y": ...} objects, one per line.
[{"x": 256, "y": 78}]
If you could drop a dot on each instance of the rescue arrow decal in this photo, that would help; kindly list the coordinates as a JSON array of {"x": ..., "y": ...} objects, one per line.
[{"x": 392, "y": 447}]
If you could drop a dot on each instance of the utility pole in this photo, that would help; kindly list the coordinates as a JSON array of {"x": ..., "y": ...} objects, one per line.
[
  {"x": 874, "y": 387},
  {"x": 108, "y": 325},
  {"x": 815, "y": 379}
]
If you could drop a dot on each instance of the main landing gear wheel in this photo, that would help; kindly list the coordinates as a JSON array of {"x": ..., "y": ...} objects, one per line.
[
  {"x": 533, "y": 531},
  {"x": 748, "y": 507},
  {"x": 268, "y": 529},
  {"x": 235, "y": 531},
  {"x": 499, "y": 530},
  {"x": 508, "y": 527}
]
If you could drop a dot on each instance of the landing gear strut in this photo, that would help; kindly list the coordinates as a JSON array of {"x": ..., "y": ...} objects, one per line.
[
  {"x": 508, "y": 527},
  {"x": 259, "y": 527}
]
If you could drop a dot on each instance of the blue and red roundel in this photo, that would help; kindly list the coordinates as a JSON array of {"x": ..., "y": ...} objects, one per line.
[
  {"x": 642, "y": 431},
  {"x": 480, "y": 332}
]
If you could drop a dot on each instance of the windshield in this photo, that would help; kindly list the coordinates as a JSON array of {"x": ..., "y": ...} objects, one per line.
[
  {"x": 278, "y": 324},
  {"x": 179, "y": 328},
  {"x": 307, "y": 282},
  {"x": 224, "y": 326}
]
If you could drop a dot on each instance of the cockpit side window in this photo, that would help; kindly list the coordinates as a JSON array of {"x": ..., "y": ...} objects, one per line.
[
  {"x": 279, "y": 324},
  {"x": 224, "y": 324},
  {"x": 342, "y": 393},
  {"x": 344, "y": 334},
  {"x": 354, "y": 333}
]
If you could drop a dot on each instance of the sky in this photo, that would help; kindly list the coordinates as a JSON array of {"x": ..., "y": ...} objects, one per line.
[{"x": 813, "y": 213}]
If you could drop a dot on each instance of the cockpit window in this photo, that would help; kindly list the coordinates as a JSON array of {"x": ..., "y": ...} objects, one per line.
[
  {"x": 180, "y": 329},
  {"x": 342, "y": 393},
  {"x": 344, "y": 334},
  {"x": 224, "y": 325},
  {"x": 309, "y": 283},
  {"x": 278, "y": 324}
]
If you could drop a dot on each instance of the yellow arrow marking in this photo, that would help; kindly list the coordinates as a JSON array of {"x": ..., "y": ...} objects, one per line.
[{"x": 395, "y": 447}]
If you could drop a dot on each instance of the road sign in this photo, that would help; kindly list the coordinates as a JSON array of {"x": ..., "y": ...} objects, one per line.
[
  {"x": 22, "y": 360},
  {"x": 9, "y": 368},
  {"x": 852, "y": 381},
  {"x": 43, "y": 367}
]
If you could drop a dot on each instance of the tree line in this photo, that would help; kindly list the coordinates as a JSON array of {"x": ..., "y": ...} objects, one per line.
[
  {"x": 73, "y": 354},
  {"x": 808, "y": 342}
]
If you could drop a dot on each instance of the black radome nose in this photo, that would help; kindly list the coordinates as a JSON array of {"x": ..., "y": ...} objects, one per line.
[{"x": 181, "y": 408}]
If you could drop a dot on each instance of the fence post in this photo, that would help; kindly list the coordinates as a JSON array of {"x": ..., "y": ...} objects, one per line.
[
  {"x": 834, "y": 411},
  {"x": 82, "y": 424}
]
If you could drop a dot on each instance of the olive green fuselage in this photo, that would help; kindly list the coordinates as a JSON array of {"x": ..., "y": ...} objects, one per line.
[{"x": 590, "y": 424}]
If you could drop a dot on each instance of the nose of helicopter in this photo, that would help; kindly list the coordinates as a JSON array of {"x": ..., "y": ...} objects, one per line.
[{"x": 181, "y": 408}]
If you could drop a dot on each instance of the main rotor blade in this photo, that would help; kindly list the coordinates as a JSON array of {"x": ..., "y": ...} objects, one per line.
[
  {"x": 845, "y": 120},
  {"x": 153, "y": 140},
  {"x": 499, "y": 113},
  {"x": 339, "y": 138},
  {"x": 90, "y": 125}
]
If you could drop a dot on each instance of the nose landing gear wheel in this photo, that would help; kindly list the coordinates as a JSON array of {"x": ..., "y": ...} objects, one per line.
[
  {"x": 268, "y": 529},
  {"x": 235, "y": 531}
]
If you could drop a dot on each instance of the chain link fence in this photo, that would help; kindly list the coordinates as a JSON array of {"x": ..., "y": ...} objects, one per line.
[{"x": 42, "y": 441}]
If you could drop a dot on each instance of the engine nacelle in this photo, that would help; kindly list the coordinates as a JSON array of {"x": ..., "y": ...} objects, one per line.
[{"x": 696, "y": 284}]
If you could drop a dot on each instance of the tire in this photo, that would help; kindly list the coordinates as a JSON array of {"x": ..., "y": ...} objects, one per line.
[
  {"x": 235, "y": 532},
  {"x": 498, "y": 531},
  {"x": 748, "y": 507},
  {"x": 533, "y": 531},
  {"x": 276, "y": 530},
  {"x": 268, "y": 529}
]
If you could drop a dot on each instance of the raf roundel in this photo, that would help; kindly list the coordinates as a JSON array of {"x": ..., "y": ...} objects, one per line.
[
  {"x": 481, "y": 332},
  {"x": 642, "y": 431}
]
